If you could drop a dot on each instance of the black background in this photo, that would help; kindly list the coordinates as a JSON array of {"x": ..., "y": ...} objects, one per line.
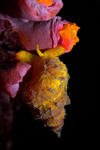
[{"x": 81, "y": 126}]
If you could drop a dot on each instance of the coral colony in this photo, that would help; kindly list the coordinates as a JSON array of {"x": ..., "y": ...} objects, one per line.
[{"x": 40, "y": 80}]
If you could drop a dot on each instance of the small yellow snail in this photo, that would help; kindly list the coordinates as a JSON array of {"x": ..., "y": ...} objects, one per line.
[{"x": 46, "y": 91}]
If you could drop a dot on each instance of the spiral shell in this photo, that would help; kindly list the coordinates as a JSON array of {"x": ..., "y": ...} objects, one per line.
[{"x": 46, "y": 92}]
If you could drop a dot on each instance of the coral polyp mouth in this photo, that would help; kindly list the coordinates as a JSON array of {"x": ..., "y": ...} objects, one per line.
[
  {"x": 68, "y": 36},
  {"x": 45, "y": 2}
]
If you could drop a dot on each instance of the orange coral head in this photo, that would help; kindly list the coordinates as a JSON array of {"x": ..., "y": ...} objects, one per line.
[
  {"x": 68, "y": 36},
  {"x": 45, "y": 2}
]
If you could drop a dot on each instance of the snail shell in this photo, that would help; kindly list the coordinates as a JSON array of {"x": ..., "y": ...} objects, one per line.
[{"x": 46, "y": 92}]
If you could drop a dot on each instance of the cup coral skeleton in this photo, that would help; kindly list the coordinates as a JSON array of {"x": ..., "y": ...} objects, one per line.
[{"x": 35, "y": 10}]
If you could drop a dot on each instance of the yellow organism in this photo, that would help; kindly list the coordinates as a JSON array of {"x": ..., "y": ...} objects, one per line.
[{"x": 46, "y": 91}]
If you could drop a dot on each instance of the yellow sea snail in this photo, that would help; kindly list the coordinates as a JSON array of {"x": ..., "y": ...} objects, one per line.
[{"x": 46, "y": 91}]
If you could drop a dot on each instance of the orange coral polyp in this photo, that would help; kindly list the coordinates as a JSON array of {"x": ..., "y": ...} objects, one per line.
[
  {"x": 46, "y": 2},
  {"x": 68, "y": 36}
]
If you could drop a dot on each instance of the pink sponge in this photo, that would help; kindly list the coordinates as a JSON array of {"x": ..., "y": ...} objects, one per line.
[{"x": 9, "y": 80}]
